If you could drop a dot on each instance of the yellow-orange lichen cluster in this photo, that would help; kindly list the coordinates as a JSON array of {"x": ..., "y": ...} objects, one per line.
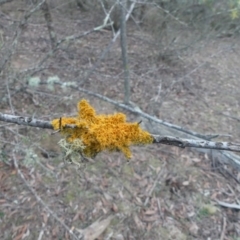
[{"x": 101, "y": 132}]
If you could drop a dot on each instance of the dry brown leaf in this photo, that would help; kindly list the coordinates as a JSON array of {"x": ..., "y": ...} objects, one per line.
[
  {"x": 21, "y": 231},
  {"x": 114, "y": 207},
  {"x": 77, "y": 215},
  {"x": 67, "y": 236},
  {"x": 50, "y": 166},
  {"x": 55, "y": 231},
  {"x": 3, "y": 177},
  {"x": 138, "y": 177},
  {"x": 191, "y": 214},
  {"x": 119, "y": 236},
  {"x": 45, "y": 217},
  {"x": 150, "y": 212},
  {"x": 57, "y": 191},
  {"x": 148, "y": 188},
  {"x": 214, "y": 195},
  {"x": 2, "y": 201},
  {"x": 194, "y": 229},
  {"x": 143, "y": 183},
  {"x": 139, "y": 201},
  {"x": 158, "y": 169},
  {"x": 137, "y": 221},
  {"x": 107, "y": 196},
  {"x": 149, "y": 227},
  {"x": 14, "y": 172},
  {"x": 152, "y": 218},
  {"x": 96, "y": 229},
  {"x": 104, "y": 182},
  {"x": 105, "y": 202}
]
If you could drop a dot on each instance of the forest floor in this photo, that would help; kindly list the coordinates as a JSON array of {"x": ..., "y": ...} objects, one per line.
[{"x": 163, "y": 192}]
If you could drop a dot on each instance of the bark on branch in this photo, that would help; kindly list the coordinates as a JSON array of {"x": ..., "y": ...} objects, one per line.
[
  {"x": 28, "y": 121},
  {"x": 182, "y": 143}
]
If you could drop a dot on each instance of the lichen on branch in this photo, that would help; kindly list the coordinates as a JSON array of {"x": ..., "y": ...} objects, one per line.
[{"x": 101, "y": 132}]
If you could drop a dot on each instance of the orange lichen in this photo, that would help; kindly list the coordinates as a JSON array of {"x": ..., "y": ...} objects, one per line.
[{"x": 101, "y": 132}]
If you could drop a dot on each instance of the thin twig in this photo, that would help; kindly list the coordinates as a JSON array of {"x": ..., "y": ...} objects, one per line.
[
  {"x": 153, "y": 187},
  {"x": 40, "y": 235},
  {"x": 138, "y": 111},
  {"x": 229, "y": 116},
  {"x": 141, "y": 113},
  {"x": 160, "y": 209},
  {"x": 182, "y": 143},
  {"x": 28, "y": 121},
  {"x": 223, "y": 229},
  {"x": 9, "y": 98},
  {"x": 40, "y": 201},
  {"x": 228, "y": 205}
]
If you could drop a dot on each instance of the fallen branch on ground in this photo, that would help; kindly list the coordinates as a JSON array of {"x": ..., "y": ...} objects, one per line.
[{"x": 229, "y": 205}]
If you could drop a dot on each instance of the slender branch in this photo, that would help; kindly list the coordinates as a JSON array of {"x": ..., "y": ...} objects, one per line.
[
  {"x": 230, "y": 158},
  {"x": 28, "y": 121},
  {"x": 135, "y": 109},
  {"x": 168, "y": 140},
  {"x": 182, "y": 143},
  {"x": 232, "y": 117},
  {"x": 229, "y": 205},
  {"x": 223, "y": 229},
  {"x": 154, "y": 185},
  {"x": 143, "y": 114}
]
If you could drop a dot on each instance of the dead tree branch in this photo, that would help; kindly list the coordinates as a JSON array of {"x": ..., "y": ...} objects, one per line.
[
  {"x": 27, "y": 121},
  {"x": 226, "y": 157},
  {"x": 167, "y": 140},
  {"x": 145, "y": 115},
  {"x": 182, "y": 143},
  {"x": 229, "y": 205}
]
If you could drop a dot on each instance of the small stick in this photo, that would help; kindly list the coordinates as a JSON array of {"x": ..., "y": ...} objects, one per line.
[
  {"x": 223, "y": 229},
  {"x": 154, "y": 185}
]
